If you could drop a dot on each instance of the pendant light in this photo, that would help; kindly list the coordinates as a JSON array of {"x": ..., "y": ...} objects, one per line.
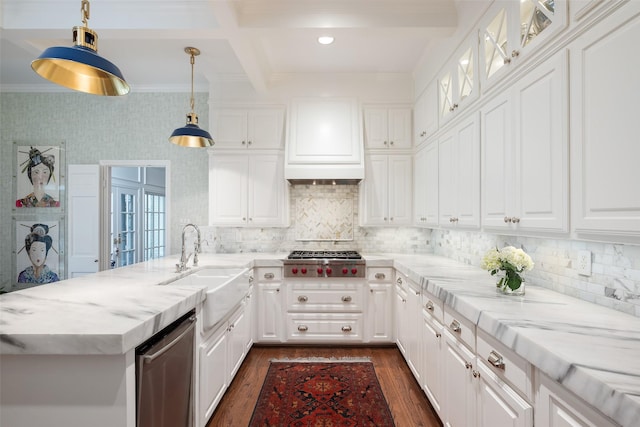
[
  {"x": 191, "y": 135},
  {"x": 80, "y": 67}
]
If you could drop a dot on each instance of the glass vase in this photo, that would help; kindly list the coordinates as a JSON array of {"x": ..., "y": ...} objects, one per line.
[{"x": 503, "y": 287}]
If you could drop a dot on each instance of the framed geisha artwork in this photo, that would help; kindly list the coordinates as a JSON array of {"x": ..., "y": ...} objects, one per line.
[
  {"x": 39, "y": 174},
  {"x": 39, "y": 252}
]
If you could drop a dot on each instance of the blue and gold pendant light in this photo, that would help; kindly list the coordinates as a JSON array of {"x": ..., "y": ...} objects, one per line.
[
  {"x": 80, "y": 67},
  {"x": 191, "y": 135}
]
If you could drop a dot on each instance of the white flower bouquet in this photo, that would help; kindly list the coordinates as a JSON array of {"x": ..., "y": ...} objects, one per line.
[{"x": 508, "y": 263}]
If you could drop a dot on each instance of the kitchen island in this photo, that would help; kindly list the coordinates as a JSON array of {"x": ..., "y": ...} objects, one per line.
[{"x": 67, "y": 349}]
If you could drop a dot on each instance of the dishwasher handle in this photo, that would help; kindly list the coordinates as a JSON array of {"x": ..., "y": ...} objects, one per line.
[{"x": 148, "y": 358}]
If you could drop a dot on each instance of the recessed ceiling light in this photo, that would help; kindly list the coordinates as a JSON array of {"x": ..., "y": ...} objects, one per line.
[{"x": 325, "y": 39}]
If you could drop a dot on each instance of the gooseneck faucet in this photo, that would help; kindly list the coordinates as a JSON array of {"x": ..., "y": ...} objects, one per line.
[{"x": 182, "y": 266}]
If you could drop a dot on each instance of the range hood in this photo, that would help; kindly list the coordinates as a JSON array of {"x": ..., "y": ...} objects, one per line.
[{"x": 324, "y": 143}]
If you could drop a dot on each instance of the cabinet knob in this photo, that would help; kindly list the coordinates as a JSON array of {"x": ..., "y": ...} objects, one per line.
[
  {"x": 507, "y": 219},
  {"x": 303, "y": 328},
  {"x": 385, "y": 142},
  {"x": 385, "y": 218},
  {"x": 391, "y": 143},
  {"x": 302, "y": 298},
  {"x": 515, "y": 53},
  {"x": 346, "y": 328},
  {"x": 438, "y": 334},
  {"x": 429, "y": 305},
  {"x": 391, "y": 219},
  {"x": 248, "y": 142},
  {"x": 507, "y": 61},
  {"x": 476, "y": 374},
  {"x": 244, "y": 218},
  {"x": 455, "y": 326},
  {"x": 467, "y": 365},
  {"x": 515, "y": 220},
  {"x": 346, "y": 298},
  {"x": 244, "y": 142}
]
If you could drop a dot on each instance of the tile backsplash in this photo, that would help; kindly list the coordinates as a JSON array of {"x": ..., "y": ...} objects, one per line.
[{"x": 614, "y": 280}]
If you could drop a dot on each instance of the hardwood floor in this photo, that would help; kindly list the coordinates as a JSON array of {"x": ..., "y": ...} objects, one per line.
[{"x": 408, "y": 403}]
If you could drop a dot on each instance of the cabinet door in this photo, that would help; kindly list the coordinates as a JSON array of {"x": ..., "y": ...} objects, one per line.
[
  {"x": 376, "y": 127},
  {"x": 266, "y": 190},
  {"x": 400, "y": 189},
  {"x": 468, "y": 173},
  {"x": 447, "y": 178},
  {"x": 213, "y": 375},
  {"x": 498, "y": 404},
  {"x": 376, "y": 190},
  {"x": 419, "y": 191},
  {"x": 459, "y": 397},
  {"x": 229, "y": 127},
  {"x": 432, "y": 361},
  {"x": 228, "y": 189},
  {"x": 401, "y": 324},
  {"x": 412, "y": 319},
  {"x": 497, "y": 162},
  {"x": 431, "y": 185},
  {"x": 239, "y": 329},
  {"x": 379, "y": 313},
  {"x": 265, "y": 128},
  {"x": 425, "y": 114},
  {"x": 269, "y": 315},
  {"x": 399, "y": 127},
  {"x": 541, "y": 160},
  {"x": 605, "y": 127}
]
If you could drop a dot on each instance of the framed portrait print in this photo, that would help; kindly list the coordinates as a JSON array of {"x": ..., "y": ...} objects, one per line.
[
  {"x": 39, "y": 255},
  {"x": 39, "y": 174}
]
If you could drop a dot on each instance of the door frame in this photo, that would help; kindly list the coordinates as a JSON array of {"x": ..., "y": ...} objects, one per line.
[{"x": 105, "y": 202}]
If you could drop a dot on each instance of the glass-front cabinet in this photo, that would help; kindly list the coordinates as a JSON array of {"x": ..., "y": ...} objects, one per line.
[
  {"x": 512, "y": 29},
  {"x": 458, "y": 83}
]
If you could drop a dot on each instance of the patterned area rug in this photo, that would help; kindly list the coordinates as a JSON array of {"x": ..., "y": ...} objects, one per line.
[{"x": 321, "y": 394}]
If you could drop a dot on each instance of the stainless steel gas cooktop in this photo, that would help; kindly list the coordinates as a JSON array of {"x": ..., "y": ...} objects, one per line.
[{"x": 324, "y": 264}]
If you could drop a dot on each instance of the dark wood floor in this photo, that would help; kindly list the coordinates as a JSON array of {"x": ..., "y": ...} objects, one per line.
[{"x": 408, "y": 404}]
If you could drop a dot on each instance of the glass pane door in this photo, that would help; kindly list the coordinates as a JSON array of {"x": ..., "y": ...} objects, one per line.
[{"x": 124, "y": 229}]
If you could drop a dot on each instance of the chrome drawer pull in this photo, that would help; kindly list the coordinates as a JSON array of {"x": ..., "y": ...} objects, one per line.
[
  {"x": 429, "y": 305},
  {"x": 269, "y": 276},
  {"x": 346, "y": 328},
  {"x": 496, "y": 359},
  {"x": 302, "y": 298},
  {"x": 455, "y": 326},
  {"x": 303, "y": 328},
  {"x": 399, "y": 281},
  {"x": 346, "y": 298},
  {"x": 380, "y": 276}
]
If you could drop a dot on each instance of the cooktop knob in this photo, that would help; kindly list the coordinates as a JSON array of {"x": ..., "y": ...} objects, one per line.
[
  {"x": 304, "y": 270},
  {"x": 294, "y": 270},
  {"x": 354, "y": 270},
  {"x": 329, "y": 270},
  {"x": 345, "y": 270},
  {"x": 319, "y": 270}
]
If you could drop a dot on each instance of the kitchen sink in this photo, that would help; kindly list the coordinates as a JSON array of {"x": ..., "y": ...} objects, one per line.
[{"x": 226, "y": 288}]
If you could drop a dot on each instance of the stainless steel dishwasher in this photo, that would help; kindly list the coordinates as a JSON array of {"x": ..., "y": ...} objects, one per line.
[{"x": 164, "y": 374}]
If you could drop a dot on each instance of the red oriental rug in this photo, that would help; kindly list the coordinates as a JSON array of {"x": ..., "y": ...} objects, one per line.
[{"x": 321, "y": 394}]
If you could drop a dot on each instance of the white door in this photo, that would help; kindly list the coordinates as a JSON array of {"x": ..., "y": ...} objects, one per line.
[
  {"x": 400, "y": 189},
  {"x": 126, "y": 226},
  {"x": 266, "y": 201},
  {"x": 83, "y": 187},
  {"x": 228, "y": 189}
]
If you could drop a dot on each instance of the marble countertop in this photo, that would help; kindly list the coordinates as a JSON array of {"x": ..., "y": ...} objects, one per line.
[{"x": 590, "y": 350}]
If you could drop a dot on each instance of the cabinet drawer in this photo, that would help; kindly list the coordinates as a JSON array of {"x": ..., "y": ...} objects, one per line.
[
  {"x": 268, "y": 274},
  {"x": 325, "y": 298},
  {"x": 380, "y": 274},
  {"x": 321, "y": 327},
  {"x": 460, "y": 327},
  {"x": 433, "y": 306},
  {"x": 505, "y": 363}
]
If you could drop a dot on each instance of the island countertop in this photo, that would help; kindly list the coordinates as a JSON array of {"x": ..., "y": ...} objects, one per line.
[{"x": 591, "y": 350}]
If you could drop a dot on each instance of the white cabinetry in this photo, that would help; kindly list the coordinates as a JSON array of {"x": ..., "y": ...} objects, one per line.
[
  {"x": 408, "y": 312},
  {"x": 221, "y": 353},
  {"x": 387, "y": 190},
  {"x": 325, "y": 310},
  {"x": 425, "y": 186},
  {"x": 268, "y": 314},
  {"x": 458, "y": 83},
  {"x": 605, "y": 127},
  {"x": 525, "y": 153},
  {"x": 459, "y": 175},
  {"x": 557, "y": 407},
  {"x": 247, "y": 190},
  {"x": 387, "y": 127},
  {"x": 433, "y": 379},
  {"x": 511, "y": 30},
  {"x": 248, "y": 127},
  {"x": 425, "y": 114},
  {"x": 379, "y": 316}
]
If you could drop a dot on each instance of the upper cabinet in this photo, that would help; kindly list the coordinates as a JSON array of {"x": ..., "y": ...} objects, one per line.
[
  {"x": 425, "y": 187},
  {"x": 458, "y": 83},
  {"x": 248, "y": 127},
  {"x": 387, "y": 127},
  {"x": 525, "y": 152},
  {"x": 510, "y": 30},
  {"x": 605, "y": 127},
  {"x": 386, "y": 195},
  {"x": 425, "y": 114}
]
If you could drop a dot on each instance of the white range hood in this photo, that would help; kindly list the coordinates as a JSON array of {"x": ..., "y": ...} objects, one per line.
[{"x": 324, "y": 141}]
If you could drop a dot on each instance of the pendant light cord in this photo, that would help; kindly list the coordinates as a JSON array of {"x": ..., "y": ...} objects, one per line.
[
  {"x": 84, "y": 9},
  {"x": 193, "y": 61}
]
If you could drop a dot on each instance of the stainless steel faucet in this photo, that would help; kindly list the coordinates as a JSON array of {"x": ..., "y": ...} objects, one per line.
[{"x": 184, "y": 259}]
